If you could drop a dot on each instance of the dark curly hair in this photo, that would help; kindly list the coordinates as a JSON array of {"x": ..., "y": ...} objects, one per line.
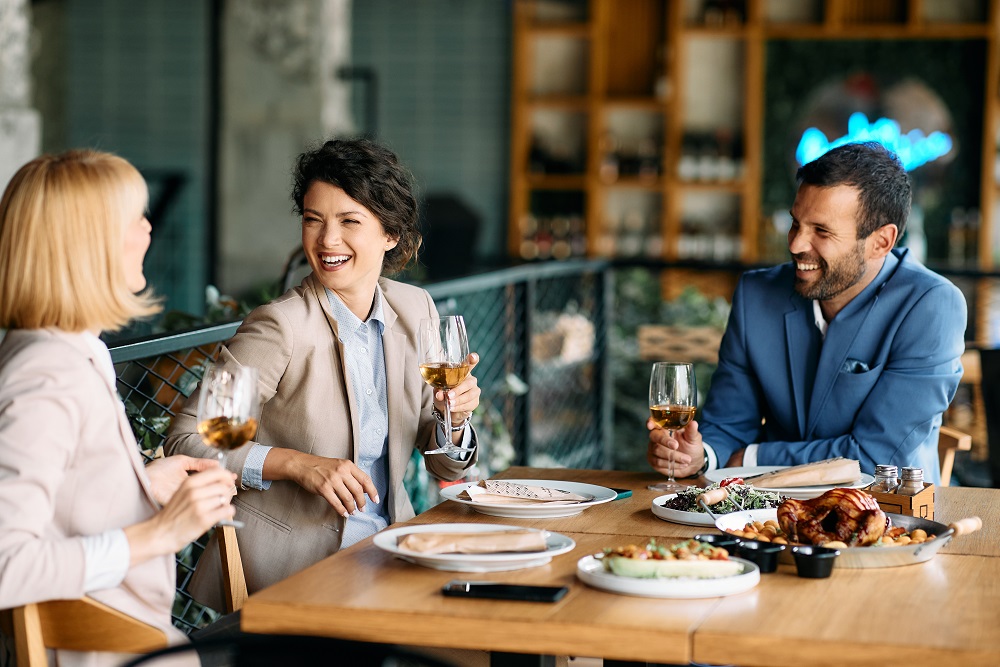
[
  {"x": 371, "y": 175},
  {"x": 878, "y": 175}
]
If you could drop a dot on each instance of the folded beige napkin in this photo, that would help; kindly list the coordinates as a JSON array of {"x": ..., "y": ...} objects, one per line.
[
  {"x": 819, "y": 473},
  {"x": 474, "y": 543},
  {"x": 499, "y": 492}
]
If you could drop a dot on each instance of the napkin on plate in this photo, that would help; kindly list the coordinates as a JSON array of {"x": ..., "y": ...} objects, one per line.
[
  {"x": 500, "y": 541},
  {"x": 839, "y": 470},
  {"x": 499, "y": 492}
]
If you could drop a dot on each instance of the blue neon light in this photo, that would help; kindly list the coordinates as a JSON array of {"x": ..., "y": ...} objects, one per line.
[{"x": 913, "y": 148}]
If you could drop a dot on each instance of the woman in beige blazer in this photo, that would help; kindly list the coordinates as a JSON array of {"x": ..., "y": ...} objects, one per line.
[
  {"x": 79, "y": 513},
  {"x": 343, "y": 403}
]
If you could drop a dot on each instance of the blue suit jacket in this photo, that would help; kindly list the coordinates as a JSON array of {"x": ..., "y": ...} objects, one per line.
[{"x": 873, "y": 390}]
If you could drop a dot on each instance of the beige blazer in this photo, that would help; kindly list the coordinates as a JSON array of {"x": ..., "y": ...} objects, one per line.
[
  {"x": 308, "y": 405},
  {"x": 69, "y": 467}
]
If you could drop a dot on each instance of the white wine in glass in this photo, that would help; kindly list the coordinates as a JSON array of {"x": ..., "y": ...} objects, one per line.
[
  {"x": 443, "y": 349},
  {"x": 673, "y": 399},
  {"x": 227, "y": 411}
]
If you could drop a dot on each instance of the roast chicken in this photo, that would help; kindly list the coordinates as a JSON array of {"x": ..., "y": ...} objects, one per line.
[{"x": 848, "y": 515}]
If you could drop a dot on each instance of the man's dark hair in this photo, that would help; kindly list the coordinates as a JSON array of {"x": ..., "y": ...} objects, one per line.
[
  {"x": 876, "y": 172},
  {"x": 371, "y": 175}
]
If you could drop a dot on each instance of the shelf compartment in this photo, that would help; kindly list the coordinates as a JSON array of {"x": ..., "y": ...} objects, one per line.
[
  {"x": 558, "y": 142},
  {"x": 635, "y": 34},
  {"x": 555, "y": 12},
  {"x": 631, "y": 146},
  {"x": 559, "y": 66},
  {"x": 710, "y": 227},
  {"x": 631, "y": 224},
  {"x": 554, "y": 226}
]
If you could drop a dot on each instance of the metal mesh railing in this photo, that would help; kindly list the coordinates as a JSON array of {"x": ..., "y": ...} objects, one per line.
[{"x": 541, "y": 332}]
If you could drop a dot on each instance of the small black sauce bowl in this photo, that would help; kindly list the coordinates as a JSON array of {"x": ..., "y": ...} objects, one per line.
[
  {"x": 814, "y": 562},
  {"x": 764, "y": 554},
  {"x": 723, "y": 541}
]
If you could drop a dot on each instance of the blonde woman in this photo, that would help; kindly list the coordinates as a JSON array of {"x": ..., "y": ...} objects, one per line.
[{"x": 79, "y": 513}]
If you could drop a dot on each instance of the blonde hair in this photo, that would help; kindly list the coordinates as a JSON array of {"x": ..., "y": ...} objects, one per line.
[{"x": 62, "y": 234}]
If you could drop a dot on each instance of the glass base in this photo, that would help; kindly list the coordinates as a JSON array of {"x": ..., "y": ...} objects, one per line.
[{"x": 667, "y": 487}]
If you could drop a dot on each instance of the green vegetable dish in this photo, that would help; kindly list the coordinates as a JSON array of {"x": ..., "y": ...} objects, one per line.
[{"x": 741, "y": 497}]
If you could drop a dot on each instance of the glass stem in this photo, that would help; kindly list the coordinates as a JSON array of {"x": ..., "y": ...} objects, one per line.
[
  {"x": 670, "y": 467},
  {"x": 447, "y": 418}
]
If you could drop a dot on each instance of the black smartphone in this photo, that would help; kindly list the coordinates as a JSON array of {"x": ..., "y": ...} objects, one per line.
[
  {"x": 492, "y": 589},
  {"x": 622, "y": 493}
]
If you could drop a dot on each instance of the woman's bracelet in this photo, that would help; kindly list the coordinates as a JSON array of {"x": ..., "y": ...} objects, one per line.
[{"x": 455, "y": 428}]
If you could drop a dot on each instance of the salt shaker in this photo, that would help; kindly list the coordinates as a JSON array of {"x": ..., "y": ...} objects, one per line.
[
  {"x": 886, "y": 479},
  {"x": 912, "y": 483}
]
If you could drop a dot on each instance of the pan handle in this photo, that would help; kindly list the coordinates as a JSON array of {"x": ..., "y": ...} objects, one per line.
[{"x": 966, "y": 526}]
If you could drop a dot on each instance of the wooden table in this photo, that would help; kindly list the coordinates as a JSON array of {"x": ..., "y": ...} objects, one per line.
[{"x": 945, "y": 610}]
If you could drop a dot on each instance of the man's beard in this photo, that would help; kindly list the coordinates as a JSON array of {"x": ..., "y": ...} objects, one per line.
[{"x": 835, "y": 278}]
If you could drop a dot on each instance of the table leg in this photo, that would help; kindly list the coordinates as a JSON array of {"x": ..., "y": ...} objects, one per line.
[{"x": 498, "y": 659}]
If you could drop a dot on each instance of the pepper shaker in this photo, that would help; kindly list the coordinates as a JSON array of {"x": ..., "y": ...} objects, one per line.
[{"x": 912, "y": 483}]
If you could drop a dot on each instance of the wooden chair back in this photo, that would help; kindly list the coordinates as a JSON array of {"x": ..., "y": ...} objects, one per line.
[
  {"x": 951, "y": 440},
  {"x": 659, "y": 342},
  {"x": 234, "y": 584},
  {"x": 75, "y": 625}
]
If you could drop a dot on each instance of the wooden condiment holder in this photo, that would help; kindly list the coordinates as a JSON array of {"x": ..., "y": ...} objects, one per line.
[{"x": 920, "y": 505}]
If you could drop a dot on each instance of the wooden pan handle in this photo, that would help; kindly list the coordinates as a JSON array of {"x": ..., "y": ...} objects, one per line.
[
  {"x": 714, "y": 496},
  {"x": 966, "y": 526}
]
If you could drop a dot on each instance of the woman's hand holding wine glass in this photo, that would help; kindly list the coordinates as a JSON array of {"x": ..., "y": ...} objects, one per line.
[
  {"x": 673, "y": 399},
  {"x": 445, "y": 364},
  {"x": 227, "y": 410}
]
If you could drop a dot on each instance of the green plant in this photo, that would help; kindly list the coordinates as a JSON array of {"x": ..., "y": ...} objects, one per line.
[{"x": 638, "y": 301}]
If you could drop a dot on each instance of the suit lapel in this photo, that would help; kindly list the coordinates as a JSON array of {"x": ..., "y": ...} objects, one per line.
[
  {"x": 394, "y": 345},
  {"x": 339, "y": 365},
  {"x": 124, "y": 428},
  {"x": 802, "y": 353},
  {"x": 840, "y": 337}
]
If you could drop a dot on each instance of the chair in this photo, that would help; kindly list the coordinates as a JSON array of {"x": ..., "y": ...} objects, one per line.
[
  {"x": 88, "y": 625},
  {"x": 75, "y": 625},
  {"x": 234, "y": 584},
  {"x": 662, "y": 342},
  {"x": 248, "y": 650},
  {"x": 951, "y": 440}
]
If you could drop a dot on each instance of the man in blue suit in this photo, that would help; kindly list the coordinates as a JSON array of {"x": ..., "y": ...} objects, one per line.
[{"x": 851, "y": 349}]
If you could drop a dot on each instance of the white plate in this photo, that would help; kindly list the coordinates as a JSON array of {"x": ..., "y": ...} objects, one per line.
[
  {"x": 591, "y": 571},
  {"x": 679, "y": 516},
  {"x": 797, "y": 492},
  {"x": 387, "y": 540},
  {"x": 600, "y": 494}
]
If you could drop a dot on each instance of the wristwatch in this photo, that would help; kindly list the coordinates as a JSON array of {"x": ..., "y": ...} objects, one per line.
[{"x": 704, "y": 467}]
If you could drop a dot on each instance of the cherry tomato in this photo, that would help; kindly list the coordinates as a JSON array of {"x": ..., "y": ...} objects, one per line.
[{"x": 731, "y": 480}]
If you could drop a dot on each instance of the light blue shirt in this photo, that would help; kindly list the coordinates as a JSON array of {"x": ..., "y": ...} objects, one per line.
[{"x": 364, "y": 361}]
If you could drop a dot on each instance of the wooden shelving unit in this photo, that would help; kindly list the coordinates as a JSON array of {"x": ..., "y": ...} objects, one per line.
[{"x": 634, "y": 69}]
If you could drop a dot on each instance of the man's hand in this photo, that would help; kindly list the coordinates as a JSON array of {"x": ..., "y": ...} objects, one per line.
[
  {"x": 166, "y": 475},
  {"x": 339, "y": 481},
  {"x": 685, "y": 448}
]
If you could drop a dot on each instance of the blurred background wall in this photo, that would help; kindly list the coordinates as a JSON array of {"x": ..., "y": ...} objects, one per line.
[{"x": 213, "y": 99}]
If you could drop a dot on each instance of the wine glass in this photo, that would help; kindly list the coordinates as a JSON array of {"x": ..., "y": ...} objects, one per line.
[
  {"x": 443, "y": 349},
  {"x": 672, "y": 403},
  {"x": 227, "y": 411}
]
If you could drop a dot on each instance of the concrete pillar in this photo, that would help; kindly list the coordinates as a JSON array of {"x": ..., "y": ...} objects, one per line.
[
  {"x": 20, "y": 125},
  {"x": 279, "y": 94}
]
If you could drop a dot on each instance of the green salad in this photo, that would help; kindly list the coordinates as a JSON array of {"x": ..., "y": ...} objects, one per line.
[{"x": 741, "y": 497}]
